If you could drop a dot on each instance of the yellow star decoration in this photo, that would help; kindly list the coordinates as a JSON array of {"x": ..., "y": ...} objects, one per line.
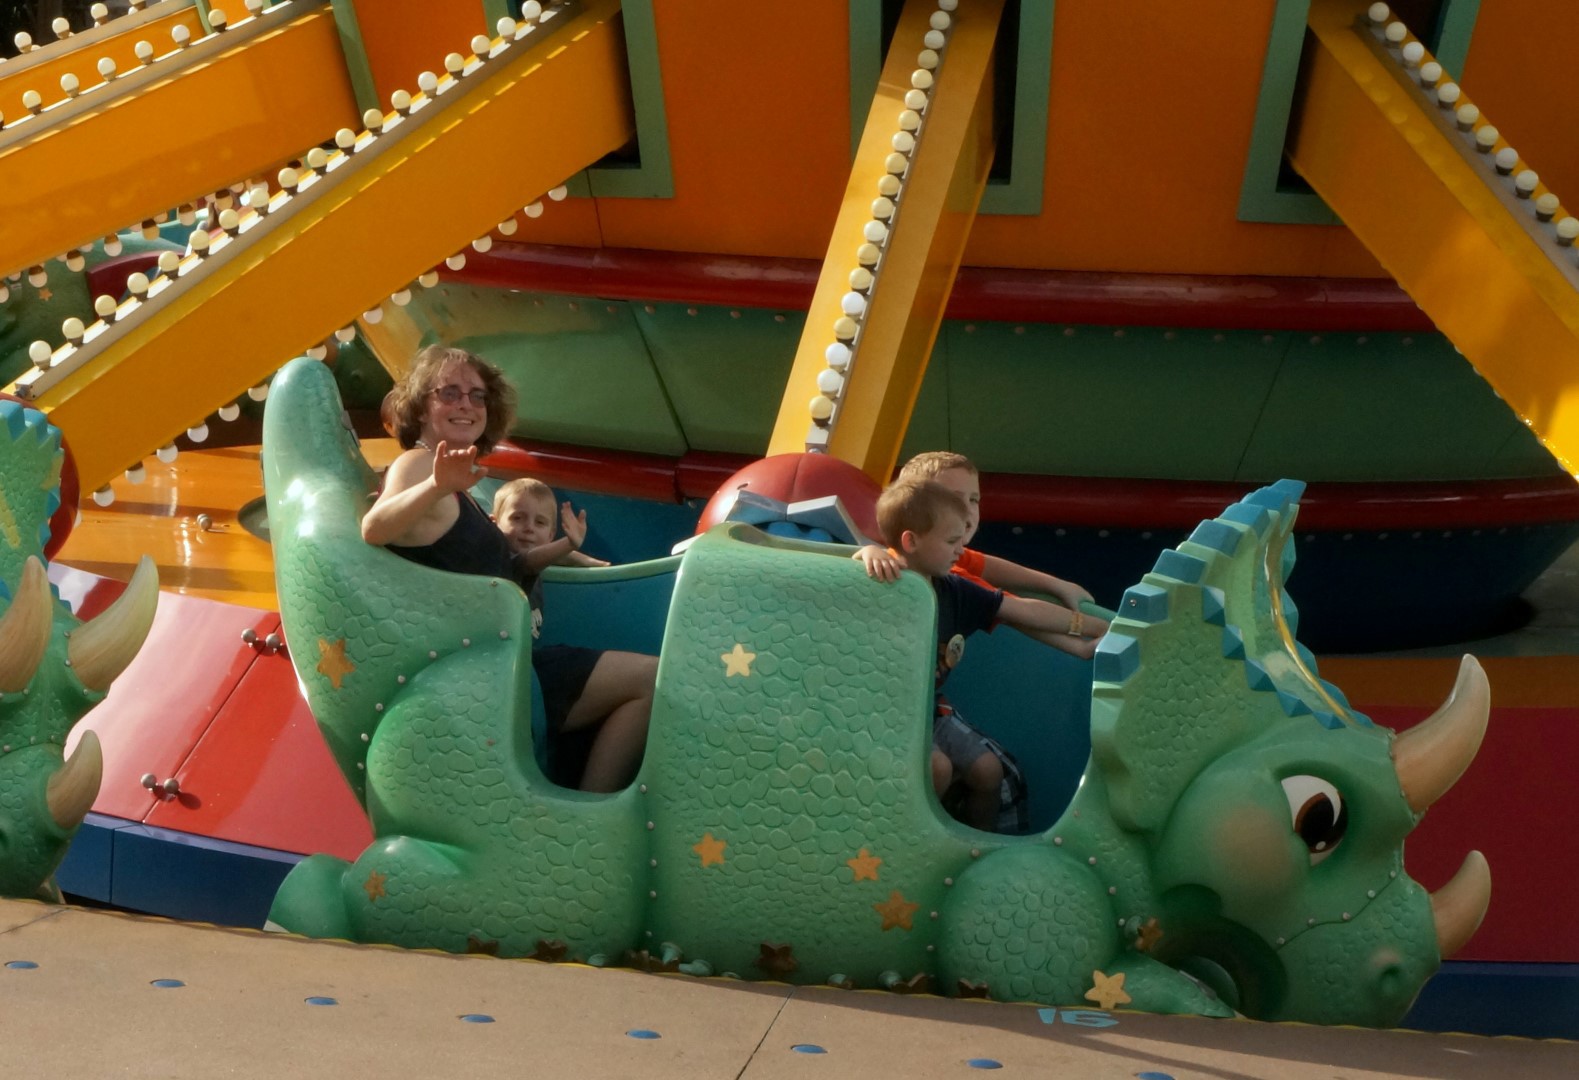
[
  {"x": 737, "y": 661},
  {"x": 374, "y": 885},
  {"x": 864, "y": 866},
  {"x": 896, "y": 911},
  {"x": 711, "y": 850},
  {"x": 1108, "y": 990},
  {"x": 1148, "y": 935},
  {"x": 333, "y": 662}
]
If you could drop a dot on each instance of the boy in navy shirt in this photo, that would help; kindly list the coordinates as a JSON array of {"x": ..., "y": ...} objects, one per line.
[{"x": 924, "y": 523}]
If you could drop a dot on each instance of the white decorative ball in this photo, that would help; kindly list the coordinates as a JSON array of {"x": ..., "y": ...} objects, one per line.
[
  {"x": 72, "y": 328},
  {"x": 830, "y": 382},
  {"x": 916, "y": 99},
  {"x": 259, "y": 392},
  {"x": 935, "y": 39},
  {"x": 921, "y": 79},
  {"x": 882, "y": 208},
  {"x": 896, "y": 163},
  {"x": 533, "y": 210},
  {"x": 1448, "y": 93},
  {"x": 852, "y": 304},
  {"x": 454, "y": 63},
  {"x": 875, "y": 232},
  {"x": 1413, "y": 53},
  {"x": 345, "y": 334},
  {"x": 909, "y": 120},
  {"x": 104, "y": 496},
  {"x": 1507, "y": 158},
  {"x": 373, "y": 316},
  {"x": 1396, "y": 32},
  {"x": 1526, "y": 181},
  {"x": 838, "y": 355},
  {"x": 198, "y": 433},
  {"x": 168, "y": 261},
  {"x": 903, "y": 141},
  {"x": 428, "y": 83},
  {"x": 483, "y": 243},
  {"x": 481, "y": 45},
  {"x": 400, "y": 297},
  {"x": 927, "y": 58},
  {"x": 373, "y": 119},
  {"x": 559, "y": 193},
  {"x": 888, "y": 185},
  {"x": 940, "y": 20},
  {"x": 167, "y": 453},
  {"x": 456, "y": 261},
  {"x": 39, "y": 352},
  {"x": 104, "y": 306},
  {"x": 137, "y": 283},
  {"x": 400, "y": 100},
  {"x": 1378, "y": 13},
  {"x": 106, "y": 67},
  {"x": 229, "y": 412}
]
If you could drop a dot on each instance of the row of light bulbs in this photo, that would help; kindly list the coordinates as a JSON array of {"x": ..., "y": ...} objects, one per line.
[
  {"x": 840, "y": 354},
  {"x": 1488, "y": 142},
  {"x": 259, "y": 200},
  {"x": 71, "y": 84}
]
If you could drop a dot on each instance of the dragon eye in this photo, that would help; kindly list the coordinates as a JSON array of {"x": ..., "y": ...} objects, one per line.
[{"x": 1319, "y": 816}]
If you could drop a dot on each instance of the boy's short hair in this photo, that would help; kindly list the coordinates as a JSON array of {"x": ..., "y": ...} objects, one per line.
[
  {"x": 915, "y": 506},
  {"x": 521, "y": 485},
  {"x": 407, "y": 403},
  {"x": 927, "y": 466}
]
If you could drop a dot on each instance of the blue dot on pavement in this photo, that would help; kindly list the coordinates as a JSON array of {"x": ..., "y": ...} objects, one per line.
[
  {"x": 477, "y": 1018},
  {"x": 984, "y": 1063},
  {"x": 167, "y": 984},
  {"x": 1153, "y": 1076},
  {"x": 20, "y": 965},
  {"x": 321, "y": 1001},
  {"x": 808, "y": 1048},
  {"x": 643, "y": 1033}
]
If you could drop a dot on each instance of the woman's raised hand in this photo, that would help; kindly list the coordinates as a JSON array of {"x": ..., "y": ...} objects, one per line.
[{"x": 455, "y": 470}]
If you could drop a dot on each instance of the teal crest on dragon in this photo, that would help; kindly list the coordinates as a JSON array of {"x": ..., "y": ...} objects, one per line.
[
  {"x": 53, "y": 667},
  {"x": 1235, "y": 844}
]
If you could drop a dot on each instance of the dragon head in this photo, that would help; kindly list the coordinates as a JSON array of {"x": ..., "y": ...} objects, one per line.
[
  {"x": 53, "y": 668},
  {"x": 1271, "y": 813}
]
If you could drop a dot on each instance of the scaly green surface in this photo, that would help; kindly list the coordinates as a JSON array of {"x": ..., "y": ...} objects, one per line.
[{"x": 783, "y": 823}]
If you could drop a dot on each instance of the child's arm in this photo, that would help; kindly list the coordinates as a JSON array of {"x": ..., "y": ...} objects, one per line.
[
  {"x": 560, "y": 552},
  {"x": 1053, "y": 625},
  {"x": 880, "y": 563},
  {"x": 1003, "y": 574},
  {"x": 581, "y": 558}
]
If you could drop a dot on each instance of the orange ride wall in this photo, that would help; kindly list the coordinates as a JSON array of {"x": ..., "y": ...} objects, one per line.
[
  {"x": 403, "y": 38},
  {"x": 1520, "y": 72}
]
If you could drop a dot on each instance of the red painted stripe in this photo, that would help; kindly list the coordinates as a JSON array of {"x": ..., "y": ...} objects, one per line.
[
  {"x": 1090, "y": 502},
  {"x": 980, "y": 293}
]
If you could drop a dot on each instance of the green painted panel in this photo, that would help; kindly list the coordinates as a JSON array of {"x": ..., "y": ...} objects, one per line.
[
  {"x": 1383, "y": 407},
  {"x": 1103, "y": 401},
  {"x": 724, "y": 369},
  {"x": 653, "y": 176},
  {"x": 582, "y": 375},
  {"x": 929, "y": 422}
]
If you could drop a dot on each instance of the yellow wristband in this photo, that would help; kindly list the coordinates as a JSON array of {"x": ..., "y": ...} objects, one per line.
[{"x": 1076, "y": 620}]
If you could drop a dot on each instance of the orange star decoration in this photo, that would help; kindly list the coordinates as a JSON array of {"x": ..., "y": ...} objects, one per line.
[
  {"x": 865, "y": 866},
  {"x": 1108, "y": 990},
  {"x": 710, "y": 849},
  {"x": 737, "y": 661},
  {"x": 1148, "y": 935},
  {"x": 896, "y": 911},
  {"x": 332, "y": 661},
  {"x": 374, "y": 885}
]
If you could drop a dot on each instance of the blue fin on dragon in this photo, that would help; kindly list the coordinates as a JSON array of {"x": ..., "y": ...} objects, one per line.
[
  {"x": 1235, "y": 844},
  {"x": 53, "y": 668}
]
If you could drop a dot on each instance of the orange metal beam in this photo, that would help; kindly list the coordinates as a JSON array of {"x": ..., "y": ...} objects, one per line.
[
  {"x": 1442, "y": 221},
  {"x": 204, "y": 127},
  {"x": 942, "y": 189},
  {"x": 456, "y": 168},
  {"x": 80, "y": 54}
]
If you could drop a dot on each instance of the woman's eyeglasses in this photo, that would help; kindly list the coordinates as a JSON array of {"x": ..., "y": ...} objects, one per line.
[{"x": 452, "y": 394}]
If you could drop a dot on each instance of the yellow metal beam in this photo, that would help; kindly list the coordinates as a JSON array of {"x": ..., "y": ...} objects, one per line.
[
  {"x": 206, "y": 126},
  {"x": 1446, "y": 226},
  {"x": 459, "y": 166},
  {"x": 942, "y": 187}
]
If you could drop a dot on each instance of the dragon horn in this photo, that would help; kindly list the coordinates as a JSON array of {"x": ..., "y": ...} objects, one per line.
[
  {"x": 25, "y": 628},
  {"x": 73, "y": 787},
  {"x": 1458, "y": 907},
  {"x": 101, "y": 649},
  {"x": 1431, "y": 756}
]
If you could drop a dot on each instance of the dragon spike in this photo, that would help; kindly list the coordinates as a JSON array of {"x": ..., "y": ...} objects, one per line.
[
  {"x": 101, "y": 649},
  {"x": 1458, "y": 907},
  {"x": 75, "y": 785},
  {"x": 1431, "y": 756},
  {"x": 25, "y": 628}
]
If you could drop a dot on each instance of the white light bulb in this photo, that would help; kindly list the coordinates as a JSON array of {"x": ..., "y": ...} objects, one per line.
[
  {"x": 143, "y": 51},
  {"x": 1413, "y": 53},
  {"x": 429, "y": 279},
  {"x": 940, "y": 20},
  {"x": 344, "y": 334},
  {"x": 373, "y": 119},
  {"x": 1486, "y": 136},
  {"x": 921, "y": 79},
  {"x": 104, "y": 496},
  {"x": 915, "y": 99},
  {"x": 934, "y": 39},
  {"x": 136, "y": 474},
  {"x": 456, "y": 261},
  {"x": 1507, "y": 158},
  {"x": 104, "y": 306},
  {"x": 821, "y": 408},
  {"x": 106, "y": 68},
  {"x": 508, "y": 226},
  {"x": 481, "y": 45},
  {"x": 505, "y": 27},
  {"x": 896, "y": 163},
  {"x": 882, "y": 208},
  {"x": 875, "y": 232},
  {"x": 844, "y": 328},
  {"x": 861, "y": 278},
  {"x": 1430, "y": 72},
  {"x": 168, "y": 261},
  {"x": 73, "y": 329},
  {"x": 373, "y": 316},
  {"x": 428, "y": 83},
  {"x": 853, "y": 304},
  {"x": 903, "y": 141},
  {"x": 229, "y": 412},
  {"x": 888, "y": 185},
  {"x": 345, "y": 139},
  {"x": 1448, "y": 93},
  {"x": 198, "y": 433},
  {"x": 868, "y": 254},
  {"x": 909, "y": 120},
  {"x": 927, "y": 58},
  {"x": 137, "y": 283},
  {"x": 167, "y": 453},
  {"x": 482, "y": 243},
  {"x": 1396, "y": 32},
  {"x": 1378, "y": 13},
  {"x": 533, "y": 210},
  {"x": 400, "y": 101},
  {"x": 400, "y": 297},
  {"x": 830, "y": 382},
  {"x": 558, "y": 193},
  {"x": 454, "y": 63},
  {"x": 1525, "y": 183},
  {"x": 259, "y": 392},
  {"x": 180, "y": 35},
  {"x": 838, "y": 355},
  {"x": 39, "y": 352}
]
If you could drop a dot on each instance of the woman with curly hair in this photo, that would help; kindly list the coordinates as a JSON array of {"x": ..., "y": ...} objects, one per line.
[{"x": 451, "y": 408}]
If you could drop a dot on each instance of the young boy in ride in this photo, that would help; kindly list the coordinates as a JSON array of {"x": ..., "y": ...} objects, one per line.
[
  {"x": 524, "y": 509},
  {"x": 957, "y": 473},
  {"x": 926, "y": 524}
]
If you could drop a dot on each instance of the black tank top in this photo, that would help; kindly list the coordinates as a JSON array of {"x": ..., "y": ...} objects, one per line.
[{"x": 474, "y": 545}]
